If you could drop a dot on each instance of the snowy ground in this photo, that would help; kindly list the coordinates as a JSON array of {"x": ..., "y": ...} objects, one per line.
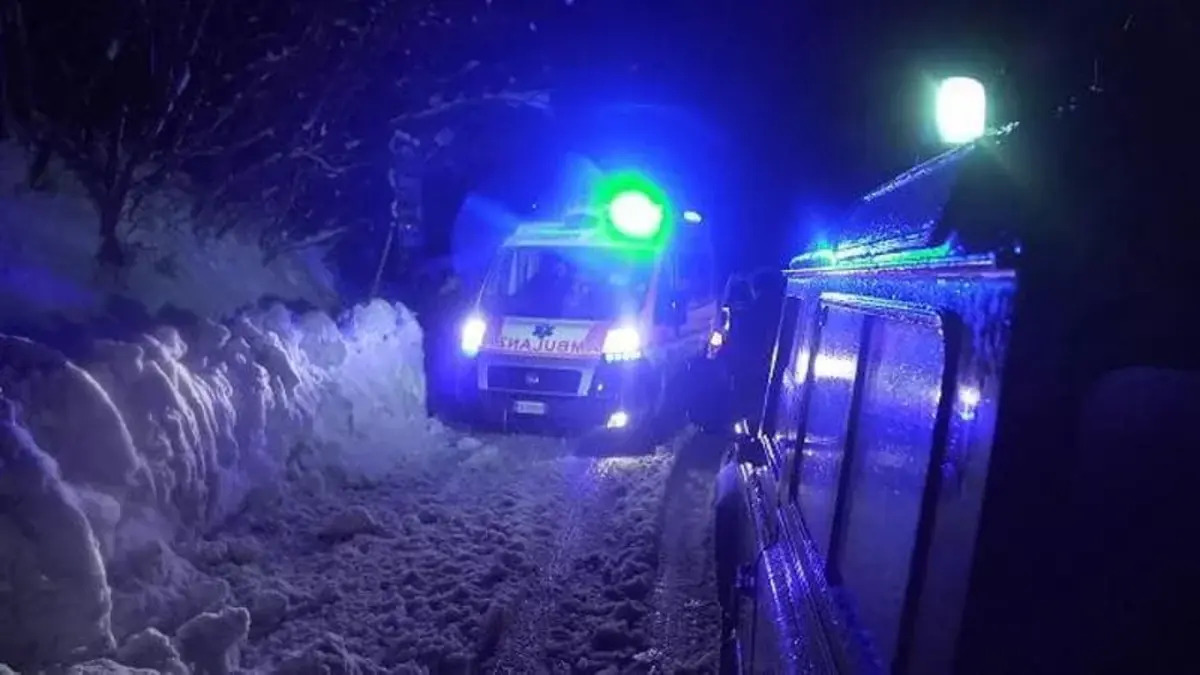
[{"x": 504, "y": 555}]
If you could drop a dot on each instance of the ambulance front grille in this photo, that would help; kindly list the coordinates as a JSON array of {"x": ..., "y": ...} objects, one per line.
[{"x": 534, "y": 380}]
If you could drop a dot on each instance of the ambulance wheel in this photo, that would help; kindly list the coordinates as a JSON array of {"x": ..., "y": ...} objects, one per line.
[
  {"x": 670, "y": 408},
  {"x": 467, "y": 416},
  {"x": 651, "y": 430},
  {"x": 461, "y": 408},
  {"x": 709, "y": 406},
  {"x": 468, "y": 413}
]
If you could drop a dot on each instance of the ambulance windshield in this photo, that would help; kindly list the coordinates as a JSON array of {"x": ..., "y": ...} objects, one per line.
[{"x": 586, "y": 283}]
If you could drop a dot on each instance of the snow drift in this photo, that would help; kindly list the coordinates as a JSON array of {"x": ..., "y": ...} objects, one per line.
[{"x": 110, "y": 463}]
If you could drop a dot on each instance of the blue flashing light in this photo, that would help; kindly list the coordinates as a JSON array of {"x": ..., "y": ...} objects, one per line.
[
  {"x": 692, "y": 217},
  {"x": 635, "y": 214}
]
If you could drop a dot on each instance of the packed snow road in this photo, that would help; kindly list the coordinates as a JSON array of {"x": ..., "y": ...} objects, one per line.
[{"x": 504, "y": 554}]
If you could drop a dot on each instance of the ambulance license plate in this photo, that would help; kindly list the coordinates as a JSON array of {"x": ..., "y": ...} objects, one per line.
[{"x": 529, "y": 407}]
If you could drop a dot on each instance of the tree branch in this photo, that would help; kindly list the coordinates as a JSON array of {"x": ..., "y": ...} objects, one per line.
[
  {"x": 535, "y": 100},
  {"x": 288, "y": 246},
  {"x": 330, "y": 170}
]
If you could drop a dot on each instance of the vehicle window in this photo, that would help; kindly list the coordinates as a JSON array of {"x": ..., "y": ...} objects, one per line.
[
  {"x": 782, "y": 387},
  {"x": 791, "y": 388},
  {"x": 893, "y": 441},
  {"x": 568, "y": 282},
  {"x": 832, "y": 385}
]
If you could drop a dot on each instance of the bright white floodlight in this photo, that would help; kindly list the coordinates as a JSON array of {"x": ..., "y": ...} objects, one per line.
[{"x": 961, "y": 110}]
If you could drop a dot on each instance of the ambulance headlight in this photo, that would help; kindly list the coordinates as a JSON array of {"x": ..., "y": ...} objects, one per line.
[
  {"x": 622, "y": 344},
  {"x": 618, "y": 420},
  {"x": 473, "y": 330}
]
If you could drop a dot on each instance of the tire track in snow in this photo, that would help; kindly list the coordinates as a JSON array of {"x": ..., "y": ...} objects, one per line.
[
  {"x": 519, "y": 452},
  {"x": 582, "y": 482},
  {"x": 686, "y": 621},
  {"x": 448, "y": 479}
]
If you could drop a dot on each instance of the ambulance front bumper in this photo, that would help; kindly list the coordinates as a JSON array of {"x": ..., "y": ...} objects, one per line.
[{"x": 569, "y": 392}]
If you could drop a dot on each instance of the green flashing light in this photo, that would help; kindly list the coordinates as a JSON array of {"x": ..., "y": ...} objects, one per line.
[
  {"x": 633, "y": 207},
  {"x": 835, "y": 258},
  {"x": 635, "y": 214}
]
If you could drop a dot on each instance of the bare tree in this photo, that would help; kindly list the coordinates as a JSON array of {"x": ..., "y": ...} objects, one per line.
[
  {"x": 295, "y": 112},
  {"x": 107, "y": 99},
  {"x": 319, "y": 157}
]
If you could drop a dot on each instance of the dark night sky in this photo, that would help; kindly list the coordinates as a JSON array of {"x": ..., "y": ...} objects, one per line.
[
  {"x": 828, "y": 99},
  {"x": 778, "y": 113}
]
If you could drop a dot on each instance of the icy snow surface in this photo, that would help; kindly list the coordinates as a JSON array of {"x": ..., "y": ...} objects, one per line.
[
  {"x": 268, "y": 496},
  {"x": 510, "y": 557}
]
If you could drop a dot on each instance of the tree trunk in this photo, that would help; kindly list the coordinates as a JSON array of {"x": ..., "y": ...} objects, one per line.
[
  {"x": 387, "y": 248},
  {"x": 112, "y": 207},
  {"x": 37, "y": 168},
  {"x": 5, "y": 106},
  {"x": 405, "y": 180},
  {"x": 111, "y": 253},
  {"x": 406, "y": 209}
]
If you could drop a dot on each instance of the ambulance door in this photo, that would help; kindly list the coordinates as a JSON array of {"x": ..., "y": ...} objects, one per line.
[{"x": 664, "y": 315}]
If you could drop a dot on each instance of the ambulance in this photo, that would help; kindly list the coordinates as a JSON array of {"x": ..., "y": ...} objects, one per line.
[{"x": 591, "y": 321}]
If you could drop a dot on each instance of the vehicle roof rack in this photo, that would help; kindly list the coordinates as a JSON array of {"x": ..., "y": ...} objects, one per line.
[{"x": 906, "y": 212}]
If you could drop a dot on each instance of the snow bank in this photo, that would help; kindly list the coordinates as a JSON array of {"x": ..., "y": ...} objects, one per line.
[
  {"x": 54, "y": 600},
  {"x": 49, "y": 238},
  {"x": 109, "y": 463}
]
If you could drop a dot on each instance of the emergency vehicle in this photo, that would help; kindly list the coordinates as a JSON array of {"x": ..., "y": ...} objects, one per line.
[
  {"x": 591, "y": 321},
  {"x": 978, "y": 447}
]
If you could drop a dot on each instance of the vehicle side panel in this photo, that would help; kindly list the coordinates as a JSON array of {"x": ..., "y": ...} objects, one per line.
[{"x": 880, "y": 445}]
